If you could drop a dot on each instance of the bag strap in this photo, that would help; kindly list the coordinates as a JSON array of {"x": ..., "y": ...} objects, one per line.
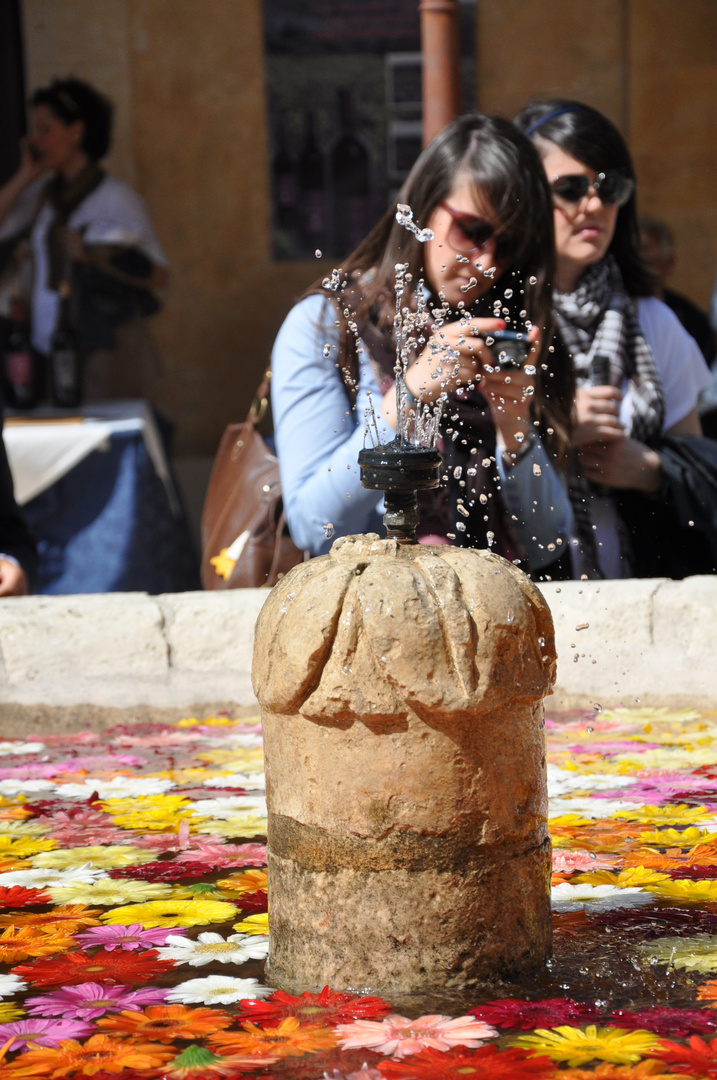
[{"x": 258, "y": 407}]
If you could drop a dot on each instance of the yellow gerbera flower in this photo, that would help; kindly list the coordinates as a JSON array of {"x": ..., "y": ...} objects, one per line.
[
  {"x": 667, "y": 838},
  {"x": 23, "y": 847},
  {"x": 636, "y": 877},
  {"x": 172, "y": 913},
  {"x": 253, "y": 924},
  {"x": 239, "y": 825},
  {"x": 107, "y": 891},
  {"x": 696, "y": 953},
  {"x": 9, "y": 1011},
  {"x": 693, "y": 892},
  {"x": 568, "y": 821},
  {"x": 680, "y": 814},
  {"x": 576, "y": 1046},
  {"x": 33, "y": 827},
  {"x": 102, "y": 858},
  {"x": 243, "y": 757}
]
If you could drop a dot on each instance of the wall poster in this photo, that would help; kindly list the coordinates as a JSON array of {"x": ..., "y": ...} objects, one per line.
[{"x": 344, "y": 109}]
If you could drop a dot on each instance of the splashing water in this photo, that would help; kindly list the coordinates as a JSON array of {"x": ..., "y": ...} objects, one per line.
[{"x": 404, "y": 216}]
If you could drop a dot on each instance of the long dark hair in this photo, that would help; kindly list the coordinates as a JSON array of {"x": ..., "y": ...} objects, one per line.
[
  {"x": 590, "y": 137},
  {"x": 507, "y": 172},
  {"x": 74, "y": 99}
]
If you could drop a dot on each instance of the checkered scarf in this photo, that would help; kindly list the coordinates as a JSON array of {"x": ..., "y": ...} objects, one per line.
[
  {"x": 599, "y": 327},
  {"x": 598, "y": 324}
]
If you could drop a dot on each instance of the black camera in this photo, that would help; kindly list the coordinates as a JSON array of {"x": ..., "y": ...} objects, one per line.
[{"x": 510, "y": 348}]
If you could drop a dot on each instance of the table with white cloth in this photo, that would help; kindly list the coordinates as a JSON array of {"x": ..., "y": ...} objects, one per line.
[{"x": 97, "y": 490}]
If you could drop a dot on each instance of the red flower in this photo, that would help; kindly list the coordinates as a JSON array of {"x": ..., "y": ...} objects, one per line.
[
  {"x": 16, "y": 896},
  {"x": 526, "y": 1015},
  {"x": 161, "y": 870},
  {"x": 485, "y": 1063},
  {"x": 114, "y": 967},
  {"x": 251, "y": 903},
  {"x": 661, "y": 1021},
  {"x": 700, "y": 1057},
  {"x": 328, "y": 1007},
  {"x": 317, "y": 1065}
]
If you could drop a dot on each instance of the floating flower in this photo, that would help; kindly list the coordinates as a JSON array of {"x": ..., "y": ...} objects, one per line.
[
  {"x": 696, "y": 953},
  {"x": 99, "y": 1052},
  {"x": 17, "y": 896},
  {"x": 399, "y": 1036},
  {"x": 7, "y": 748},
  {"x": 328, "y": 1007},
  {"x": 514, "y": 1013},
  {"x": 637, "y": 877},
  {"x": 212, "y": 853},
  {"x": 162, "y": 870},
  {"x": 486, "y": 1063},
  {"x": 645, "y": 1070},
  {"x": 569, "y": 861},
  {"x": 253, "y": 924},
  {"x": 228, "y": 806},
  {"x": 664, "y": 1021},
  {"x": 287, "y": 1039},
  {"x": 87, "y": 1001},
  {"x": 10, "y": 985},
  {"x": 217, "y": 989},
  {"x": 167, "y": 1022},
  {"x": 567, "y": 897},
  {"x": 20, "y": 943},
  {"x": 119, "y": 967},
  {"x": 109, "y": 891},
  {"x": 8, "y": 1011},
  {"x": 667, "y": 815},
  {"x": 172, "y": 912},
  {"x": 698, "y": 1056},
  {"x": 68, "y": 919},
  {"x": 130, "y": 937},
  {"x": 22, "y": 847},
  {"x": 667, "y": 838},
  {"x": 120, "y": 787},
  {"x": 249, "y": 881},
  {"x": 577, "y": 1046},
  {"x": 687, "y": 892},
  {"x": 102, "y": 858},
  {"x": 44, "y": 879},
  {"x": 239, "y": 825},
  {"x": 236, "y": 949},
  {"x": 43, "y": 1032},
  {"x": 200, "y": 1063}
]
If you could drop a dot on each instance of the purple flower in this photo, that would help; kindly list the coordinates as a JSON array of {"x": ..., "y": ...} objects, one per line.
[
  {"x": 128, "y": 938},
  {"x": 43, "y": 1032},
  {"x": 87, "y": 1001}
]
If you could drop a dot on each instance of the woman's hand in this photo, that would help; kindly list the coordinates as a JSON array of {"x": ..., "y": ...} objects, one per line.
[
  {"x": 597, "y": 416},
  {"x": 453, "y": 358},
  {"x": 30, "y": 164},
  {"x": 622, "y": 463}
]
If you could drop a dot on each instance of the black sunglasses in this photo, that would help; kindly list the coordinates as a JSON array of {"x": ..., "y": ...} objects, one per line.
[
  {"x": 613, "y": 188},
  {"x": 468, "y": 234}
]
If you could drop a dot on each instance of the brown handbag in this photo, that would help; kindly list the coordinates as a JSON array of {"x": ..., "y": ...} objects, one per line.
[{"x": 245, "y": 539}]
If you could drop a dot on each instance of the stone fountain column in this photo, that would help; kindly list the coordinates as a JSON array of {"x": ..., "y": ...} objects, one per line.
[{"x": 402, "y": 692}]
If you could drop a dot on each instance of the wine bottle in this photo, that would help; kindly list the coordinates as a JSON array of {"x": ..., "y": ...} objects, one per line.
[
  {"x": 19, "y": 361},
  {"x": 350, "y": 180},
  {"x": 65, "y": 363},
  {"x": 311, "y": 186}
]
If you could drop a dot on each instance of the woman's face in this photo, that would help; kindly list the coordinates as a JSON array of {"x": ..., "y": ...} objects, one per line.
[
  {"x": 583, "y": 230},
  {"x": 57, "y": 144},
  {"x": 452, "y": 268}
]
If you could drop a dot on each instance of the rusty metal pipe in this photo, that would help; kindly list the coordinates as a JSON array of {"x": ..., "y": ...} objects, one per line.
[{"x": 441, "y": 65}]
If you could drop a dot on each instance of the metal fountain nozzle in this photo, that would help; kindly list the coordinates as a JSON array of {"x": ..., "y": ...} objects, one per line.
[{"x": 400, "y": 471}]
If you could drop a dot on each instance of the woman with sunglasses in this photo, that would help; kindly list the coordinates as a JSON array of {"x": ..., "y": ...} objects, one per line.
[
  {"x": 638, "y": 372},
  {"x": 481, "y": 191}
]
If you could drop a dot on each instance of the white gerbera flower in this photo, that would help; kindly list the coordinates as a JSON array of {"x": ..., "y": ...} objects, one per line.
[
  {"x": 590, "y": 808},
  {"x": 563, "y": 781},
  {"x": 18, "y": 787},
  {"x": 567, "y": 897},
  {"x": 234, "y": 950},
  {"x": 120, "y": 787},
  {"x": 217, "y": 989},
  {"x": 109, "y": 892},
  {"x": 245, "y": 739},
  {"x": 236, "y": 825},
  {"x": 31, "y": 827},
  {"x": 7, "y": 749},
  {"x": 43, "y": 879},
  {"x": 230, "y": 806},
  {"x": 251, "y": 781},
  {"x": 11, "y": 985},
  {"x": 103, "y": 858}
]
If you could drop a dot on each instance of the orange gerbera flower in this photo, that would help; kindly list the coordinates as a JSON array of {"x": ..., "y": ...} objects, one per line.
[
  {"x": 708, "y": 992},
  {"x": 287, "y": 1039},
  {"x": 167, "y": 1022},
  {"x": 100, "y": 1053},
  {"x": 250, "y": 881},
  {"x": 68, "y": 918},
  {"x": 20, "y": 943}
]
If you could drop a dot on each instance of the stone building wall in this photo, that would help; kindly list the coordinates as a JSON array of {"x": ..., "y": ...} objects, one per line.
[{"x": 187, "y": 79}]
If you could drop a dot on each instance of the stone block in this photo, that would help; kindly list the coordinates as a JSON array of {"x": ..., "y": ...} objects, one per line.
[{"x": 211, "y": 631}]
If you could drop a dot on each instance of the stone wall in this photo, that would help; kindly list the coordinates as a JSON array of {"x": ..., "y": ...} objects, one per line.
[
  {"x": 71, "y": 659},
  {"x": 188, "y": 81}
]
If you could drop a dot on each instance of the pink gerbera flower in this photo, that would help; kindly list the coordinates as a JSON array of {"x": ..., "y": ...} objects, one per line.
[
  {"x": 399, "y": 1036},
  {"x": 565, "y": 862},
  {"x": 214, "y": 854},
  {"x": 129, "y": 937},
  {"x": 43, "y": 1032},
  {"x": 87, "y": 1001}
]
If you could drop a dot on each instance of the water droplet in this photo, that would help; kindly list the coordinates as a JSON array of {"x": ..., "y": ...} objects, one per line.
[
  {"x": 404, "y": 216},
  {"x": 461, "y": 526},
  {"x": 582, "y": 625},
  {"x": 519, "y": 437},
  {"x": 533, "y": 280},
  {"x": 328, "y": 530},
  {"x": 327, "y": 350},
  {"x": 317, "y": 253},
  {"x": 462, "y": 510},
  {"x": 597, "y": 707},
  {"x": 490, "y": 272},
  {"x": 537, "y": 471},
  {"x": 458, "y": 472},
  {"x": 508, "y": 293},
  {"x": 529, "y": 369},
  {"x": 483, "y": 498}
]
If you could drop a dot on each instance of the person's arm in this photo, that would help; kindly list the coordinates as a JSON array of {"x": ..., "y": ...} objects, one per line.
[
  {"x": 318, "y": 436},
  {"x": 12, "y": 192},
  {"x": 78, "y": 251}
]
